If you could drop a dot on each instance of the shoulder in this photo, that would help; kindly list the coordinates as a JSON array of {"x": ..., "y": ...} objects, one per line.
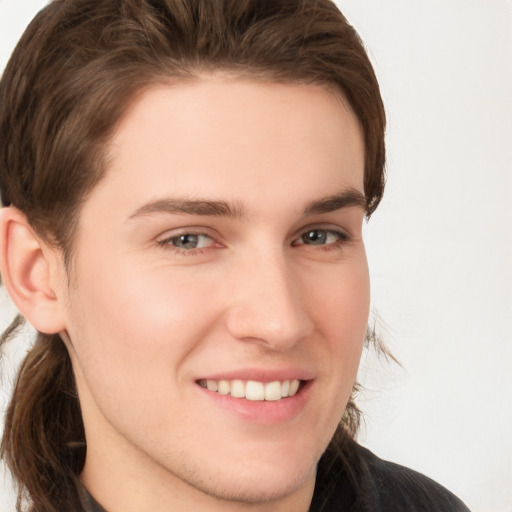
[
  {"x": 382, "y": 486},
  {"x": 389, "y": 486}
]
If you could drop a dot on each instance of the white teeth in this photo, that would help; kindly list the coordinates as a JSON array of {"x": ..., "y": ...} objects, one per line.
[
  {"x": 285, "y": 388},
  {"x": 273, "y": 391},
  {"x": 224, "y": 387},
  {"x": 253, "y": 390},
  {"x": 294, "y": 387},
  {"x": 237, "y": 389}
]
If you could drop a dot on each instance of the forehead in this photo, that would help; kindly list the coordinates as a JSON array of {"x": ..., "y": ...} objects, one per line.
[{"x": 235, "y": 139}]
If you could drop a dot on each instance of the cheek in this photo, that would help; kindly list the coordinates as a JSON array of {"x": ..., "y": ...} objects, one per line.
[
  {"x": 132, "y": 338},
  {"x": 341, "y": 307},
  {"x": 341, "y": 317},
  {"x": 137, "y": 326}
]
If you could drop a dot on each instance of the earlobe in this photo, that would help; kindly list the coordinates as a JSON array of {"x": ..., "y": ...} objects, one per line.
[{"x": 26, "y": 272}]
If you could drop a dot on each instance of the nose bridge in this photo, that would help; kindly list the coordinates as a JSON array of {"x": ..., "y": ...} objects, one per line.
[{"x": 266, "y": 305}]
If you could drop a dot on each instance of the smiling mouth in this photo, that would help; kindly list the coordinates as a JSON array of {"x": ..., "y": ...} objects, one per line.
[{"x": 254, "y": 390}]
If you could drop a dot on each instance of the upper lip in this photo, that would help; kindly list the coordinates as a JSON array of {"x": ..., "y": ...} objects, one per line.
[{"x": 261, "y": 374}]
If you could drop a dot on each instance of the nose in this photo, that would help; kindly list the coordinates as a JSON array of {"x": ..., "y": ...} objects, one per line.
[{"x": 266, "y": 303}]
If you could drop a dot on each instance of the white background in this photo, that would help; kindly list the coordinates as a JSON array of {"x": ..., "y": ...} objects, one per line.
[{"x": 439, "y": 246}]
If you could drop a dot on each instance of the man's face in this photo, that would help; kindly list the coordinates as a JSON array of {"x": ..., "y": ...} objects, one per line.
[{"x": 222, "y": 253}]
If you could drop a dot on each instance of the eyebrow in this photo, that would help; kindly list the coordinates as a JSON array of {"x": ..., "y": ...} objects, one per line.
[
  {"x": 191, "y": 207},
  {"x": 204, "y": 207},
  {"x": 349, "y": 197}
]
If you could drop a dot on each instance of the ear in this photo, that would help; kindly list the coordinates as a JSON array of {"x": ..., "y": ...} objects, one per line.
[{"x": 28, "y": 268}]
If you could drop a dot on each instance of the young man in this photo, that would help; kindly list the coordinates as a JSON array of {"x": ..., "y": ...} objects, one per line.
[{"x": 184, "y": 186}]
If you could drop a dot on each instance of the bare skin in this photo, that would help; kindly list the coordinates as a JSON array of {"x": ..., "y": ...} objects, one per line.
[{"x": 223, "y": 244}]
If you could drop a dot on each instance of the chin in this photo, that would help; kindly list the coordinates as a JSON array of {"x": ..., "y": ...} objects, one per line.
[
  {"x": 256, "y": 482},
  {"x": 261, "y": 489}
]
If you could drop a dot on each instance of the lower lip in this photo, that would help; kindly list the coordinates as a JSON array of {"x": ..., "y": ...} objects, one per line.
[{"x": 262, "y": 412}]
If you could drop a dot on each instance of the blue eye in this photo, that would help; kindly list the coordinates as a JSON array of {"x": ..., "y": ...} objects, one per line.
[
  {"x": 189, "y": 241},
  {"x": 321, "y": 237}
]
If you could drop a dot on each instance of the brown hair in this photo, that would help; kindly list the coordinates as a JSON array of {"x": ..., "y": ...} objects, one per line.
[{"x": 71, "y": 76}]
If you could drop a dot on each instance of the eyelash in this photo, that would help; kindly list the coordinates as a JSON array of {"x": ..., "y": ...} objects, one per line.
[
  {"x": 167, "y": 243},
  {"x": 341, "y": 236}
]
